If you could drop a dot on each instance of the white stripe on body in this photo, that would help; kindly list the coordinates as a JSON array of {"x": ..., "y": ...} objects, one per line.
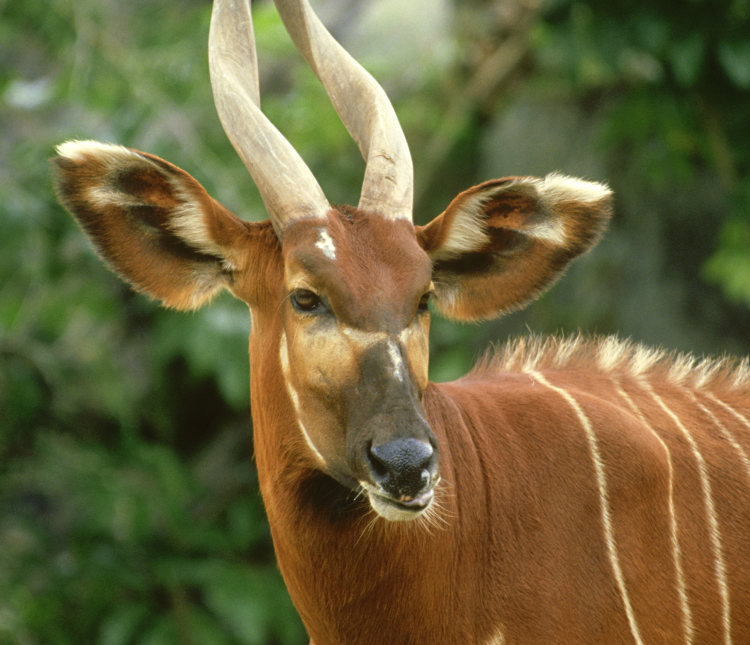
[
  {"x": 725, "y": 431},
  {"x": 676, "y": 551},
  {"x": 601, "y": 481},
  {"x": 741, "y": 418},
  {"x": 713, "y": 522}
]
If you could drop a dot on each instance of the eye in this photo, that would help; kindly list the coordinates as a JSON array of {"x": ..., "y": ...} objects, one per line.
[
  {"x": 305, "y": 301},
  {"x": 424, "y": 302}
]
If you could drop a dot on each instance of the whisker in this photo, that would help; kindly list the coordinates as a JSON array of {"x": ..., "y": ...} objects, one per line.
[{"x": 369, "y": 526}]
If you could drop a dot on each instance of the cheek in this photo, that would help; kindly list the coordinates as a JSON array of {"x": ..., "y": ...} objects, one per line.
[
  {"x": 321, "y": 363},
  {"x": 416, "y": 342},
  {"x": 317, "y": 367}
]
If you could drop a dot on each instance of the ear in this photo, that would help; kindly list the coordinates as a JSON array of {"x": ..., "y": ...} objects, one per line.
[
  {"x": 152, "y": 222},
  {"x": 500, "y": 244}
]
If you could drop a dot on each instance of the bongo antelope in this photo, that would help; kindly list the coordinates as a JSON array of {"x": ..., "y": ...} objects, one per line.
[{"x": 564, "y": 491}]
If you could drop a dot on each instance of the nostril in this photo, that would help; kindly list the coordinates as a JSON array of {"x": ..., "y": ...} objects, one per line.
[
  {"x": 426, "y": 459},
  {"x": 377, "y": 463},
  {"x": 403, "y": 464}
]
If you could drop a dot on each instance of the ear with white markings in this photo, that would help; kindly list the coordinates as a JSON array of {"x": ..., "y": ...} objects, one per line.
[
  {"x": 500, "y": 244},
  {"x": 152, "y": 222}
]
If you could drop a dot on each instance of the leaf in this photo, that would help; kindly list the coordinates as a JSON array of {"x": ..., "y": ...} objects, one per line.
[
  {"x": 730, "y": 265},
  {"x": 686, "y": 58},
  {"x": 734, "y": 57},
  {"x": 122, "y": 625},
  {"x": 250, "y": 602}
]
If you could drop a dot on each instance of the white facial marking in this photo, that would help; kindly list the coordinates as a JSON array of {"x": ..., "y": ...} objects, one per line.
[
  {"x": 284, "y": 357},
  {"x": 397, "y": 361},
  {"x": 367, "y": 339},
  {"x": 389, "y": 511},
  {"x": 325, "y": 244},
  {"x": 408, "y": 334},
  {"x": 364, "y": 338}
]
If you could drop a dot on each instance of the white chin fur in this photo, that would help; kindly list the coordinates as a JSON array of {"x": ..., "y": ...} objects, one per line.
[{"x": 392, "y": 512}]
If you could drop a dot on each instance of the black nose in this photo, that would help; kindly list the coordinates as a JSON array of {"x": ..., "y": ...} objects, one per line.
[{"x": 404, "y": 467}]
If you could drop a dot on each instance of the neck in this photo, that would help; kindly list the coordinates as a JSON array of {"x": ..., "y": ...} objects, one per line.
[{"x": 342, "y": 564}]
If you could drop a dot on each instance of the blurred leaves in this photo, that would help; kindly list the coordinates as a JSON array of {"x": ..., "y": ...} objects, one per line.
[
  {"x": 730, "y": 265},
  {"x": 139, "y": 546},
  {"x": 734, "y": 57},
  {"x": 129, "y": 507},
  {"x": 675, "y": 87},
  {"x": 128, "y": 497}
]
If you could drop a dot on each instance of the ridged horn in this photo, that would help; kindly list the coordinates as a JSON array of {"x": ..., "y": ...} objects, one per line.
[
  {"x": 364, "y": 109},
  {"x": 287, "y": 186}
]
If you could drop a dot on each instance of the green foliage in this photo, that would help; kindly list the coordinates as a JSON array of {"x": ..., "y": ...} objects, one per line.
[
  {"x": 138, "y": 546},
  {"x": 674, "y": 86},
  {"x": 129, "y": 507},
  {"x": 730, "y": 265}
]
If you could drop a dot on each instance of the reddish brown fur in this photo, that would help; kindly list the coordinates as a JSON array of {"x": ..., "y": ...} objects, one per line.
[
  {"x": 517, "y": 550},
  {"x": 519, "y": 546},
  {"x": 386, "y": 266}
]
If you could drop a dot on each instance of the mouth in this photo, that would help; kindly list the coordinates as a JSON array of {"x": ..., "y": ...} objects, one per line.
[{"x": 403, "y": 509}]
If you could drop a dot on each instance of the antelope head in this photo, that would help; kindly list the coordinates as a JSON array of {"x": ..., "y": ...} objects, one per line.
[{"x": 338, "y": 295}]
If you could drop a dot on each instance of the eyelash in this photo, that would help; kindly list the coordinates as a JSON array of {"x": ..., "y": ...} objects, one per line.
[
  {"x": 308, "y": 302},
  {"x": 305, "y": 301},
  {"x": 424, "y": 302}
]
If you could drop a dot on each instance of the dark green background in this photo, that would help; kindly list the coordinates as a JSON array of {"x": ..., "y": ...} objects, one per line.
[{"x": 129, "y": 509}]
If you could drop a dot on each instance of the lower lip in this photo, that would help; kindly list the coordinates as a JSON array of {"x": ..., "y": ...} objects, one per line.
[{"x": 414, "y": 505}]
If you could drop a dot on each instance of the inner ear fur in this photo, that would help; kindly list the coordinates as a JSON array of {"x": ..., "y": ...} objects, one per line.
[
  {"x": 500, "y": 244},
  {"x": 152, "y": 222}
]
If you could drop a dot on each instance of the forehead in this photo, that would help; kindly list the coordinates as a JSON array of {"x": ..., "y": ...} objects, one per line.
[{"x": 370, "y": 268}]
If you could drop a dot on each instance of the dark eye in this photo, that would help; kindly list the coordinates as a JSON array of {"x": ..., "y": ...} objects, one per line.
[
  {"x": 305, "y": 301},
  {"x": 424, "y": 302}
]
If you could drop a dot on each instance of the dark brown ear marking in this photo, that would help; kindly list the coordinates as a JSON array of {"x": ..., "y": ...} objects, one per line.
[
  {"x": 150, "y": 221},
  {"x": 500, "y": 244}
]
